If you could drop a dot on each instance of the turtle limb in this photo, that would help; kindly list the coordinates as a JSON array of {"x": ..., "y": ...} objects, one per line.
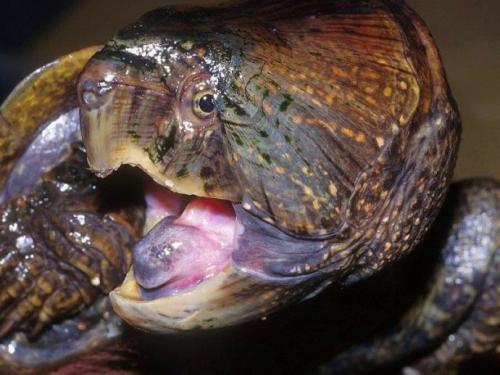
[
  {"x": 458, "y": 315},
  {"x": 63, "y": 243},
  {"x": 477, "y": 337}
]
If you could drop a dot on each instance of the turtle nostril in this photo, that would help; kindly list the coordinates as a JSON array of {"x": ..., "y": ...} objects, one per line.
[
  {"x": 92, "y": 93},
  {"x": 90, "y": 98}
]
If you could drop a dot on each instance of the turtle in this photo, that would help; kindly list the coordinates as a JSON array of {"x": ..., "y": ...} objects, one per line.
[{"x": 284, "y": 151}]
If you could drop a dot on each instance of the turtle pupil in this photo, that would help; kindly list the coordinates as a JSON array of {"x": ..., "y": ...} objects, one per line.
[{"x": 207, "y": 104}]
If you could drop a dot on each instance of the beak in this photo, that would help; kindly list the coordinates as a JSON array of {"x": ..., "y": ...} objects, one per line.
[{"x": 121, "y": 116}]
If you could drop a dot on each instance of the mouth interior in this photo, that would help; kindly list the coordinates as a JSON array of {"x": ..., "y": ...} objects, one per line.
[{"x": 191, "y": 239}]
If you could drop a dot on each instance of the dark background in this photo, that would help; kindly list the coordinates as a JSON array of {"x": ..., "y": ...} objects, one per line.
[{"x": 33, "y": 33}]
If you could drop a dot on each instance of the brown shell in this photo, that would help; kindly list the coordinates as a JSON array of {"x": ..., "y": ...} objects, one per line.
[{"x": 42, "y": 96}]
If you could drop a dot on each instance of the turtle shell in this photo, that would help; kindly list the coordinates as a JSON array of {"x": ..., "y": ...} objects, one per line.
[{"x": 44, "y": 95}]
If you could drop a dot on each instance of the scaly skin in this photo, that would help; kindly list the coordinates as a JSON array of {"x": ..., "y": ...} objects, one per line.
[
  {"x": 457, "y": 318},
  {"x": 65, "y": 242},
  {"x": 58, "y": 252}
]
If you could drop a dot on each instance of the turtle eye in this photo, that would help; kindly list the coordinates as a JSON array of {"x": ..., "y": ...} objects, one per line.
[{"x": 204, "y": 104}]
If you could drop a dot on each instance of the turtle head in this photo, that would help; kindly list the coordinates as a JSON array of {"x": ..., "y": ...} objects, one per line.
[{"x": 285, "y": 152}]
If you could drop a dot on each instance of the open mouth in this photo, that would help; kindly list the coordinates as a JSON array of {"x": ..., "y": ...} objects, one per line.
[{"x": 189, "y": 239}]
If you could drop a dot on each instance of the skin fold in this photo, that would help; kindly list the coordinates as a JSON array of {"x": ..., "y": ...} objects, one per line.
[{"x": 321, "y": 135}]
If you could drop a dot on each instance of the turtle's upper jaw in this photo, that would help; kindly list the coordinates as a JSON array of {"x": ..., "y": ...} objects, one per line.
[
  {"x": 192, "y": 240},
  {"x": 132, "y": 113}
]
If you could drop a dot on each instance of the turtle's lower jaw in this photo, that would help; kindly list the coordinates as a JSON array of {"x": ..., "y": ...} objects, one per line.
[{"x": 183, "y": 275}]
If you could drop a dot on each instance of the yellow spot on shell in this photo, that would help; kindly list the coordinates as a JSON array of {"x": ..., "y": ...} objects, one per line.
[
  {"x": 348, "y": 132},
  {"x": 315, "y": 204},
  {"x": 333, "y": 189},
  {"x": 371, "y": 100},
  {"x": 388, "y": 91},
  {"x": 317, "y": 103},
  {"x": 280, "y": 170},
  {"x": 308, "y": 190},
  {"x": 360, "y": 137},
  {"x": 268, "y": 110},
  {"x": 307, "y": 171},
  {"x": 329, "y": 99},
  {"x": 403, "y": 85},
  {"x": 380, "y": 141}
]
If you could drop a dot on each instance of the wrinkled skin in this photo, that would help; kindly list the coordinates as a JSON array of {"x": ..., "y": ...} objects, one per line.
[{"x": 293, "y": 146}]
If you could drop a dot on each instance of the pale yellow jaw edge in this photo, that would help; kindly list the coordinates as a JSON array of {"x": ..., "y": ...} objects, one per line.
[{"x": 216, "y": 302}]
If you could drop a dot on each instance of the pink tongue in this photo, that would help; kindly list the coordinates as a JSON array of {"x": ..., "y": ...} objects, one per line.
[
  {"x": 176, "y": 255},
  {"x": 214, "y": 216}
]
